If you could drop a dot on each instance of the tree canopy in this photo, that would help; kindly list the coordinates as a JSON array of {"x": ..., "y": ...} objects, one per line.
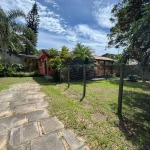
[
  {"x": 83, "y": 52},
  {"x": 12, "y": 33},
  {"x": 132, "y": 28},
  {"x": 59, "y": 61},
  {"x": 32, "y": 20}
]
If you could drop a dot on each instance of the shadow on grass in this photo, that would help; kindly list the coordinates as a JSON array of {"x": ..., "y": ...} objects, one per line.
[
  {"x": 135, "y": 122},
  {"x": 142, "y": 85},
  {"x": 43, "y": 81}
]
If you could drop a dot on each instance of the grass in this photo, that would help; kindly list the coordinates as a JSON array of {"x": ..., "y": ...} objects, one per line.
[
  {"x": 95, "y": 118},
  {"x": 5, "y": 82}
]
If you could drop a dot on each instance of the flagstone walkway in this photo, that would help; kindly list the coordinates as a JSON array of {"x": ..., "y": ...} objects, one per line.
[{"x": 25, "y": 123}]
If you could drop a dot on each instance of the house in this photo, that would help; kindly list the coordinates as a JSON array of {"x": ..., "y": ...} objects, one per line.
[
  {"x": 104, "y": 64},
  {"x": 42, "y": 62},
  {"x": 28, "y": 61}
]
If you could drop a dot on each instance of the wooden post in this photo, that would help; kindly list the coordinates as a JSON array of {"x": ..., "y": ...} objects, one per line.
[
  {"x": 60, "y": 75},
  {"x": 121, "y": 89},
  {"x": 112, "y": 67},
  {"x": 104, "y": 67},
  {"x": 68, "y": 76},
  {"x": 84, "y": 82}
]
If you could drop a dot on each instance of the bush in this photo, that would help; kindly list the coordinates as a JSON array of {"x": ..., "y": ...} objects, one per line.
[
  {"x": 18, "y": 67},
  {"x": 55, "y": 76},
  {"x": 133, "y": 78}
]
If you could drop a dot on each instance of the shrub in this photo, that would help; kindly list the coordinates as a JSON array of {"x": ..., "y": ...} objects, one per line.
[
  {"x": 133, "y": 78},
  {"x": 18, "y": 67}
]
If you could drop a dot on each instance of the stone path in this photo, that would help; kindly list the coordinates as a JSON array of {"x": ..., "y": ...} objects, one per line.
[{"x": 25, "y": 123}]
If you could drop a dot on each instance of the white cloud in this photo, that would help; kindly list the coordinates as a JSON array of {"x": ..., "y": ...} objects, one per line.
[
  {"x": 95, "y": 35},
  {"x": 55, "y": 5},
  {"x": 48, "y": 19},
  {"x": 48, "y": 40},
  {"x": 71, "y": 35},
  {"x": 102, "y": 13},
  {"x": 56, "y": 33}
]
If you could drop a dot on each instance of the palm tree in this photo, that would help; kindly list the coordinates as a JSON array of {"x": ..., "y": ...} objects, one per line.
[
  {"x": 12, "y": 34},
  {"x": 82, "y": 52}
]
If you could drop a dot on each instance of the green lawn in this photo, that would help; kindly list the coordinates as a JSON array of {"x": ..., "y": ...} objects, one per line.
[
  {"x": 95, "y": 119},
  {"x": 5, "y": 82}
]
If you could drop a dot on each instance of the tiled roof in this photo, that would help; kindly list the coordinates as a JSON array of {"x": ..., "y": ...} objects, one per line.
[
  {"x": 46, "y": 51},
  {"x": 102, "y": 58}
]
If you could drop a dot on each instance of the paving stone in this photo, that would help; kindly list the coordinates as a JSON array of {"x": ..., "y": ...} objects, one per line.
[
  {"x": 5, "y": 113},
  {"x": 8, "y": 95},
  {"x": 72, "y": 140},
  {"x": 32, "y": 92},
  {"x": 12, "y": 121},
  {"x": 23, "y": 134},
  {"x": 4, "y": 106},
  {"x": 25, "y": 108},
  {"x": 21, "y": 147},
  {"x": 39, "y": 114},
  {"x": 24, "y": 101},
  {"x": 48, "y": 142},
  {"x": 41, "y": 105},
  {"x": 6, "y": 98},
  {"x": 51, "y": 125},
  {"x": 3, "y": 140},
  {"x": 39, "y": 95}
]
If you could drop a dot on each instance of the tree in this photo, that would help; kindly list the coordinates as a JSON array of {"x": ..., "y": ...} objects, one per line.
[
  {"x": 53, "y": 52},
  {"x": 59, "y": 61},
  {"x": 131, "y": 30},
  {"x": 82, "y": 52},
  {"x": 12, "y": 33},
  {"x": 32, "y": 23}
]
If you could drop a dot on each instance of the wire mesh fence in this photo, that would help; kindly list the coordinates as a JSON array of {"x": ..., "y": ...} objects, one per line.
[
  {"x": 132, "y": 73},
  {"x": 83, "y": 73}
]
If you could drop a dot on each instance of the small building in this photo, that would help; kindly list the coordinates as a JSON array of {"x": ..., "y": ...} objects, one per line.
[
  {"x": 104, "y": 65},
  {"x": 42, "y": 62},
  {"x": 28, "y": 61}
]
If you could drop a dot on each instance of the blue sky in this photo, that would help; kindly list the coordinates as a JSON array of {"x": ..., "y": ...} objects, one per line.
[{"x": 66, "y": 22}]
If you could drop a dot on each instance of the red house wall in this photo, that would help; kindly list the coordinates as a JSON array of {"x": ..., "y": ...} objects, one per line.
[{"x": 42, "y": 58}]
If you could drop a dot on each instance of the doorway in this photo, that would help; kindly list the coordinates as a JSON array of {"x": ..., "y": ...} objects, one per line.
[{"x": 45, "y": 67}]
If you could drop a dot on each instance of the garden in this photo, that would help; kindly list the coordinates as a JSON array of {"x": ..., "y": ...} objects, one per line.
[{"x": 95, "y": 118}]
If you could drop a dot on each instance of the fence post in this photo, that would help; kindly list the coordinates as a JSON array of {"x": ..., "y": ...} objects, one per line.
[
  {"x": 121, "y": 89},
  {"x": 68, "y": 76},
  {"x": 84, "y": 82},
  {"x": 60, "y": 75}
]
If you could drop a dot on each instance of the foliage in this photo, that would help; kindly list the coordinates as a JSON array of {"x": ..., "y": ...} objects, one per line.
[
  {"x": 38, "y": 52},
  {"x": 12, "y": 33},
  {"x": 15, "y": 70},
  {"x": 32, "y": 20},
  {"x": 18, "y": 67},
  {"x": 116, "y": 57},
  {"x": 53, "y": 52},
  {"x": 59, "y": 61},
  {"x": 6, "y": 73},
  {"x": 133, "y": 78},
  {"x": 131, "y": 30},
  {"x": 1, "y": 65},
  {"x": 83, "y": 52}
]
